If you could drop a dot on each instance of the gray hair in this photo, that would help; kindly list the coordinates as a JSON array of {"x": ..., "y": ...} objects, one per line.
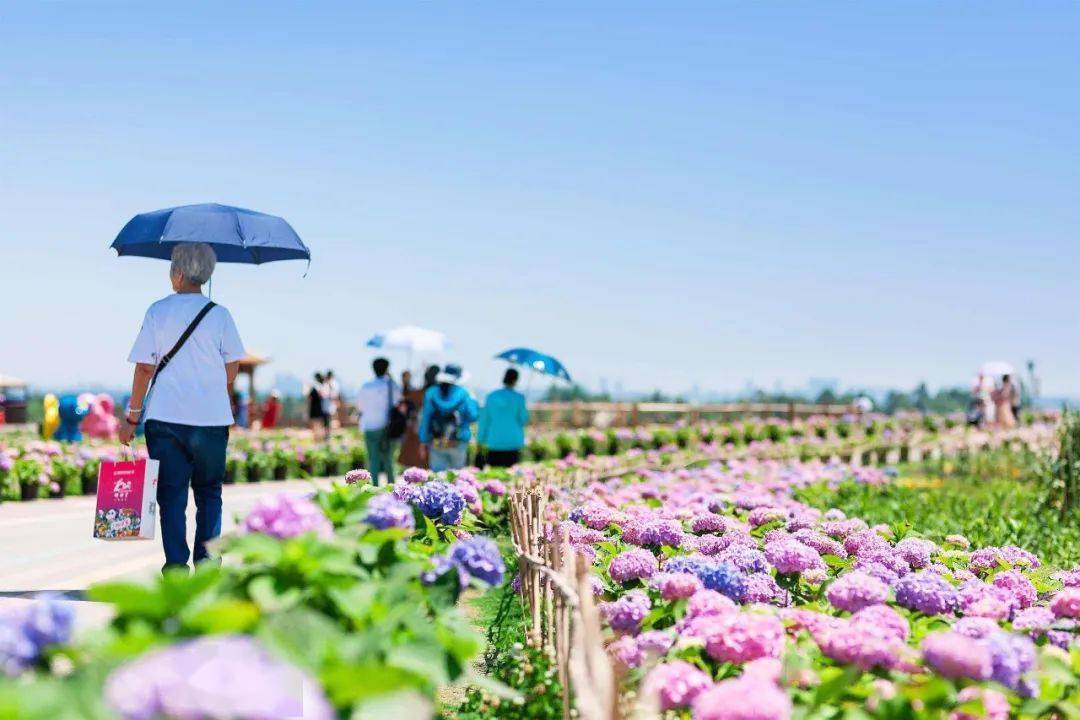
[{"x": 195, "y": 261}]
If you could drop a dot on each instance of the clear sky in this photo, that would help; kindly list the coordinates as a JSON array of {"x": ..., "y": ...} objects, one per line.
[{"x": 661, "y": 194}]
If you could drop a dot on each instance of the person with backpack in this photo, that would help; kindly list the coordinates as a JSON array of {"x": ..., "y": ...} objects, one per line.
[
  {"x": 502, "y": 423},
  {"x": 187, "y": 353},
  {"x": 446, "y": 420},
  {"x": 381, "y": 420}
]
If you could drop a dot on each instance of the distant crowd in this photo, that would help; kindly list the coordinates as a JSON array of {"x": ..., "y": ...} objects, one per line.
[
  {"x": 428, "y": 425},
  {"x": 994, "y": 404}
]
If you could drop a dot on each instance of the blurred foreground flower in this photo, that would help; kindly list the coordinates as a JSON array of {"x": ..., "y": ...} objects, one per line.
[{"x": 215, "y": 678}]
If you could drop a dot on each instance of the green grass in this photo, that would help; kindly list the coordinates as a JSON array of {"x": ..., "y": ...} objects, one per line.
[{"x": 989, "y": 501}]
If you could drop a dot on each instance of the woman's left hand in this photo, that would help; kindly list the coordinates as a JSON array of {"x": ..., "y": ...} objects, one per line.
[{"x": 127, "y": 432}]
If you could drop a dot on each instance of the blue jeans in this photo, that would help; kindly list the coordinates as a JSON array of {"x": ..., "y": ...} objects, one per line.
[
  {"x": 189, "y": 455},
  {"x": 448, "y": 458},
  {"x": 381, "y": 452}
]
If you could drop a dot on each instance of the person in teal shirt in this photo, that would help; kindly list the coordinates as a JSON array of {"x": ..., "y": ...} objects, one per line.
[{"x": 502, "y": 423}]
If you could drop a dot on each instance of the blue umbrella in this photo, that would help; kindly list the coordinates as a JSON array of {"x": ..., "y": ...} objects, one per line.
[
  {"x": 237, "y": 235},
  {"x": 536, "y": 361}
]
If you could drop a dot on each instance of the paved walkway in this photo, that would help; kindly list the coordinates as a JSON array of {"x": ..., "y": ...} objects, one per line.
[{"x": 47, "y": 544}]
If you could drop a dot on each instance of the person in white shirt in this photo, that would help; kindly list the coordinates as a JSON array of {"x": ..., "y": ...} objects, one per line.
[
  {"x": 187, "y": 412},
  {"x": 376, "y": 398}
]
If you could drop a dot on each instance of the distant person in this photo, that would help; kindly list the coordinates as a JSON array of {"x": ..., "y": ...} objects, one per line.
[
  {"x": 1017, "y": 400},
  {"x": 376, "y": 398},
  {"x": 446, "y": 419},
  {"x": 982, "y": 393},
  {"x": 412, "y": 452},
  {"x": 187, "y": 412},
  {"x": 430, "y": 377},
  {"x": 333, "y": 400},
  {"x": 271, "y": 413},
  {"x": 502, "y": 423},
  {"x": 1003, "y": 403},
  {"x": 316, "y": 410}
]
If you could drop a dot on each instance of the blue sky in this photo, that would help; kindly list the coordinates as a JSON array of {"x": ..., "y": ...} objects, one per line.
[{"x": 661, "y": 194}]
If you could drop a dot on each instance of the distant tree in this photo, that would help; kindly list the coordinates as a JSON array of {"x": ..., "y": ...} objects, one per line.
[{"x": 575, "y": 392}]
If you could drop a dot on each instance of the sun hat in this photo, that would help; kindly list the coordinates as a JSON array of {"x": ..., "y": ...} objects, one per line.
[{"x": 452, "y": 373}]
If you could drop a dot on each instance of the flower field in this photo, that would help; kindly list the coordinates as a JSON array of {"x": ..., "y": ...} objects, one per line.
[
  {"x": 31, "y": 469},
  {"x": 754, "y": 577}
]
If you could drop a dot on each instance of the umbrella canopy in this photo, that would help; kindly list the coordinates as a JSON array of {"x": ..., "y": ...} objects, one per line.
[
  {"x": 411, "y": 339},
  {"x": 998, "y": 367},
  {"x": 7, "y": 381},
  {"x": 237, "y": 235},
  {"x": 535, "y": 361}
]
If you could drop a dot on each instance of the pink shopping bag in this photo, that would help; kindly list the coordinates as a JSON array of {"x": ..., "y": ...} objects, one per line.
[{"x": 126, "y": 500}]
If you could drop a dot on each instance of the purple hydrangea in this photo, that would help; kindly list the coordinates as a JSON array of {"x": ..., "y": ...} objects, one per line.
[
  {"x": 1011, "y": 656},
  {"x": 856, "y": 590},
  {"x": 478, "y": 557},
  {"x": 749, "y": 560},
  {"x": 441, "y": 501},
  {"x": 916, "y": 551},
  {"x": 386, "y": 511},
  {"x": 980, "y": 599},
  {"x": 634, "y": 564},
  {"x": 1021, "y": 589},
  {"x": 287, "y": 516},
  {"x": 956, "y": 656},
  {"x": 594, "y": 515},
  {"x": 625, "y": 614},
  {"x": 1037, "y": 619},
  {"x": 1068, "y": 578},
  {"x": 406, "y": 492},
  {"x": 494, "y": 487},
  {"x": 415, "y": 475},
  {"x": 626, "y": 651},
  {"x": 824, "y": 544},
  {"x": 926, "y": 592},
  {"x": 675, "y": 684},
  {"x": 219, "y": 676},
  {"x": 860, "y": 644},
  {"x": 885, "y": 618},
  {"x": 791, "y": 556},
  {"x": 357, "y": 477},
  {"x": 765, "y": 515},
  {"x": 655, "y": 642},
  {"x": 25, "y": 631},
  {"x": 708, "y": 523},
  {"x": 744, "y": 636},
  {"x": 762, "y": 588}
]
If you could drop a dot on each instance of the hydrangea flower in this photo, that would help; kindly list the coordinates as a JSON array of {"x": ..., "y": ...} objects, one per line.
[
  {"x": 441, "y": 501},
  {"x": 856, "y": 590},
  {"x": 1021, "y": 589},
  {"x": 478, "y": 557},
  {"x": 386, "y": 511},
  {"x": 995, "y": 706},
  {"x": 762, "y": 588},
  {"x": 626, "y": 613},
  {"x": 626, "y": 651},
  {"x": 357, "y": 477},
  {"x": 494, "y": 487},
  {"x": 822, "y": 543},
  {"x": 791, "y": 556},
  {"x": 632, "y": 564},
  {"x": 287, "y": 516},
  {"x": 926, "y": 592},
  {"x": 915, "y": 551},
  {"x": 861, "y": 644},
  {"x": 25, "y": 631},
  {"x": 675, "y": 684},
  {"x": 674, "y": 586},
  {"x": 215, "y": 677},
  {"x": 742, "y": 698},
  {"x": 415, "y": 475},
  {"x": 885, "y": 618},
  {"x": 957, "y": 656},
  {"x": 655, "y": 642},
  {"x": 1037, "y": 619},
  {"x": 979, "y": 599},
  {"x": 708, "y": 523},
  {"x": 743, "y": 636},
  {"x": 1066, "y": 603},
  {"x": 749, "y": 560},
  {"x": 1068, "y": 578}
]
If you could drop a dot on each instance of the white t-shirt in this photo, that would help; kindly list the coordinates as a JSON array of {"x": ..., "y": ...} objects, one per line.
[
  {"x": 192, "y": 389},
  {"x": 374, "y": 402}
]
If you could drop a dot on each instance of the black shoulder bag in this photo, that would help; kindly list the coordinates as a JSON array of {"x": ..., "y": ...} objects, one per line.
[
  {"x": 167, "y": 357},
  {"x": 396, "y": 421}
]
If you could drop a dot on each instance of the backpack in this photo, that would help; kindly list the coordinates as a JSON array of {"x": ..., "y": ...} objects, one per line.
[
  {"x": 398, "y": 417},
  {"x": 445, "y": 425}
]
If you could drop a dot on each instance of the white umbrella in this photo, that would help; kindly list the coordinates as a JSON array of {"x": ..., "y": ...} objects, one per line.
[
  {"x": 412, "y": 340},
  {"x": 995, "y": 368}
]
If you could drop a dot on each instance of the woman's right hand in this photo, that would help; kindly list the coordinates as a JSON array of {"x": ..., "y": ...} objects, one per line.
[{"x": 127, "y": 432}]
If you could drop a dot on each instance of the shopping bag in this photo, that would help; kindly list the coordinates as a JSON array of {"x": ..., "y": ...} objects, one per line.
[{"x": 126, "y": 500}]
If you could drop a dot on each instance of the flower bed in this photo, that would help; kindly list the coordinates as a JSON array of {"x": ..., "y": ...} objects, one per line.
[
  {"x": 338, "y": 604},
  {"x": 725, "y": 597}
]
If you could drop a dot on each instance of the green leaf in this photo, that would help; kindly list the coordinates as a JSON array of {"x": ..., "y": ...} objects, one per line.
[
  {"x": 223, "y": 616},
  {"x": 131, "y": 599},
  {"x": 422, "y": 658}
]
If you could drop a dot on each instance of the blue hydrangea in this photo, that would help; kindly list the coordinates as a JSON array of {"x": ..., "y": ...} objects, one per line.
[
  {"x": 26, "y": 631},
  {"x": 722, "y": 577},
  {"x": 480, "y": 558},
  {"x": 441, "y": 501},
  {"x": 386, "y": 511}
]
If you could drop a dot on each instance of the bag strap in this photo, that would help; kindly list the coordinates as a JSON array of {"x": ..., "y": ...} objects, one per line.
[{"x": 167, "y": 357}]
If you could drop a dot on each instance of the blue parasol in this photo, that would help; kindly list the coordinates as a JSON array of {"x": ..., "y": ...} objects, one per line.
[
  {"x": 535, "y": 361},
  {"x": 237, "y": 235}
]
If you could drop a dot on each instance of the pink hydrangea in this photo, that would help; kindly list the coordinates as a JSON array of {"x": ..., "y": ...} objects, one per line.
[
  {"x": 742, "y": 698},
  {"x": 743, "y": 636},
  {"x": 995, "y": 705},
  {"x": 675, "y": 586},
  {"x": 1066, "y": 603},
  {"x": 675, "y": 684},
  {"x": 791, "y": 556},
  {"x": 708, "y": 523},
  {"x": 916, "y": 551},
  {"x": 884, "y": 617},
  {"x": 633, "y": 564},
  {"x": 287, "y": 516},
  {"x": 1014, "y": 582},
  {"x": 626, "y": 651},
  {"x": 856, "y": 590}
]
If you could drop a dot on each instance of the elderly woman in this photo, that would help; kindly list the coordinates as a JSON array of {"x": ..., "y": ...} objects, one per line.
[{"x": 187, "y": 412}]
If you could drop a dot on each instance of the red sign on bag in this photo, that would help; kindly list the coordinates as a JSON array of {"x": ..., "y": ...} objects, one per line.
[{"x": 126, "y": 500}]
